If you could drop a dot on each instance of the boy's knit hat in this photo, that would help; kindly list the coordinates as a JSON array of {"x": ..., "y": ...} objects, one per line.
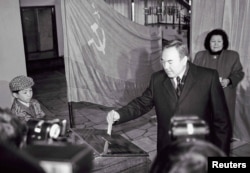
[{"x": 20, "y": 83}]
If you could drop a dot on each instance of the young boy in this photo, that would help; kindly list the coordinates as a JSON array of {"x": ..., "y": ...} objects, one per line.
[{"x": 24, "y": 106}]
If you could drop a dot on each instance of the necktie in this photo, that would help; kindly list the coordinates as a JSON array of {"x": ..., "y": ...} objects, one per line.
[{"x": 178, "y": 88}]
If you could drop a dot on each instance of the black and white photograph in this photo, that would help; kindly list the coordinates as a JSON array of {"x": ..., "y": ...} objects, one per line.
[{"x": 124, "y": 86}]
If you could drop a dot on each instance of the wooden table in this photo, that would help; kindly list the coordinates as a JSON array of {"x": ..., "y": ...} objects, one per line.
[{"x": 114, "y": 154}]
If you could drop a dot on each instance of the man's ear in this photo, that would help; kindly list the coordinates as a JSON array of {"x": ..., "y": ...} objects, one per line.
[
  {"x": 15, "y": 95},
  {"x": 185, "y": 59}
]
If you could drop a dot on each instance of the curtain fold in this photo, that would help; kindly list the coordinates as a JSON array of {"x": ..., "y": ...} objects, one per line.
[
  {"x": 139, "y": 6},
  {"x": 233, "y": 16},
  {"x": 108, "y": 58}
]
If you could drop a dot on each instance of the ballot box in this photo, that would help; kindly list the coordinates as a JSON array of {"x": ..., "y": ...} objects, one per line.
[
  {"x": 62, "y": 158},
  {"x": 114, "y": 153}
]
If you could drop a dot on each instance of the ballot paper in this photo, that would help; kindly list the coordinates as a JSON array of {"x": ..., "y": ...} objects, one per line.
[
  {"x": 106, "y": 145},
  {"x": 110, "y": 123},
  {"x": 109, "y": 128}
]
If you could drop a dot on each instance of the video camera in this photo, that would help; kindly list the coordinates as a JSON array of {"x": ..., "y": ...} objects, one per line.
[
  {"x": 45, "y": 130},
  {"x": 188, "y": 127}
]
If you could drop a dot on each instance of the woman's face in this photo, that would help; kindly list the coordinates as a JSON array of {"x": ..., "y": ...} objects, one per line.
[{"x": 216, "y": 43}]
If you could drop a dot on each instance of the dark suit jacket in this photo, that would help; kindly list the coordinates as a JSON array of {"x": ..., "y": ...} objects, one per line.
[{"x": 202, "y": 95}]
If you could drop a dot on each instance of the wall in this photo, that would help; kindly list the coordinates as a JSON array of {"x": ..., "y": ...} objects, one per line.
[
  {"x": 11, "y": 40},
  {"x": 57, "y": 4},
  {"x": 12, "y": 57},
  {"x": 170, "y": 33}
]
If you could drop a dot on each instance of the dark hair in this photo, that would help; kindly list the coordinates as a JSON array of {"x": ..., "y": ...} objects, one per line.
[
  {"x": 16, "y": 91},
  {"x": 220, "y": 32},
  {"x": 179, "y": 45},
  {"x": 185, "y": 156},
  {"x": 12, "y": 130}
]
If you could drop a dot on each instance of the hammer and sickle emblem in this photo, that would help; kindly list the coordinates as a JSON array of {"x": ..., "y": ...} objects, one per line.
[{"x": 101, "y": 45}]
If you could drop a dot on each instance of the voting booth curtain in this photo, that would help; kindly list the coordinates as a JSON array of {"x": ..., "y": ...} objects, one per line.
[{"x": 233, "y": 16}]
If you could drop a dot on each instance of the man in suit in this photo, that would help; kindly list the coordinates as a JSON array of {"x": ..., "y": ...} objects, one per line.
[{"x": 198, "y": 93}]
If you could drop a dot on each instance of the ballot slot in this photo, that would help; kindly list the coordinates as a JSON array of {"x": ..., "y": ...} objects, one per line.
[{"x": 113, "y": 145}]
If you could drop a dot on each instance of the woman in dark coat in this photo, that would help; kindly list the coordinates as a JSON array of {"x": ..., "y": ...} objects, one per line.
[{"x": 226, "y": 62}]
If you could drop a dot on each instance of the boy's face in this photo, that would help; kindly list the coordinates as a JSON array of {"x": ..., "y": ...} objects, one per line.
[{"x": 24, "y": 95}]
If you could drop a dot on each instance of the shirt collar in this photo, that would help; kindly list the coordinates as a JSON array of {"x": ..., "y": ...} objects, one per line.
[
  {"x": 26, "y": 104},
  {"x": 184, "y": 72}
]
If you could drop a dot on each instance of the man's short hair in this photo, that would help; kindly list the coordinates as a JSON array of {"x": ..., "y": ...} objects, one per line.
[
  {"x": 185, "y": 155},
  {"x": 179, "y": 45}
]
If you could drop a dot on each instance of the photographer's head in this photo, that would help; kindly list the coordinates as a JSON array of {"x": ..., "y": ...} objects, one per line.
[
  {"x": 12, "y": 130},
  {"x": 185, "y": 156}
]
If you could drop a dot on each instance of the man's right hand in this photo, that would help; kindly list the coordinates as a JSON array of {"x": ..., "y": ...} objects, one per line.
[{"x": 112, "y": 116}]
